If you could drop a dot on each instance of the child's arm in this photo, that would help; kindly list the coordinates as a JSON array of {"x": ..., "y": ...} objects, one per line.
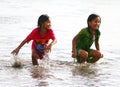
[
  {"x": 53, "y": 42},
  {"x": 16, "y": 51},
  {"x": 48, "y": 48},
  {"x": 74, "y": 53},
  {"x": 97, "y": 45}
]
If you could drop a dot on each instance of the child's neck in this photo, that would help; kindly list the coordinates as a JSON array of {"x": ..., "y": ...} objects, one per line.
[
  {"x": 92, "y": 31},
  {"x": 43, "y": 30}
]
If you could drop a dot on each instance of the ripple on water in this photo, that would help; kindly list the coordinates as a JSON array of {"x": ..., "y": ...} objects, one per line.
[{"x": 9, "y": 20}]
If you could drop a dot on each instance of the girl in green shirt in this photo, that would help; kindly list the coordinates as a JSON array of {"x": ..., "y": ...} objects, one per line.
[{"x": 82, "y": 42}]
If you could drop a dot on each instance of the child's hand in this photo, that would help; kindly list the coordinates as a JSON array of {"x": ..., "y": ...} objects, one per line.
[
  {"x": 48, "y": 48},
  {"x": 15, "y": 52},
  {"x": 74, "y": 54},
  {"x": 102, "y": 55}
]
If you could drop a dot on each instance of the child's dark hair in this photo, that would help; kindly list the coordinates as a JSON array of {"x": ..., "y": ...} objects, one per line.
[
  {"x": 42, "y": 19},
  {"x": 92, "y": 17}
]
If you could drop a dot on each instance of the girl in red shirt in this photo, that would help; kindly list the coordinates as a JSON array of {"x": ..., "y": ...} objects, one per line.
[{"x": 40, "y": 36}]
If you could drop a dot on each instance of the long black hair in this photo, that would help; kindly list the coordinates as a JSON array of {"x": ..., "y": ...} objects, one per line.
[
  {"x": 92, "y": 17},
  {"x": 43, "y": 18}
]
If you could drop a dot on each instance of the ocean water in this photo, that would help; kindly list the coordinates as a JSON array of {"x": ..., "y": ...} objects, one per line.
[{"x": 19, "y": 17}]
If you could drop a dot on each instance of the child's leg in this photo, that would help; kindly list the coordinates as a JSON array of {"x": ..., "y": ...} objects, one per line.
[
  {"x": 94, "y": 55},
  {"x": 34, "y": 57},
  {"x": 82, "y": 56}
]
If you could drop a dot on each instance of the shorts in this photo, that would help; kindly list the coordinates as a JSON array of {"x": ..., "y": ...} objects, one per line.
[{"x": 40, "y": 50}]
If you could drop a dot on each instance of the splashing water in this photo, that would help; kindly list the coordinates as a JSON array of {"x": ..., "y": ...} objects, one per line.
[
  {"x": 45, "y": 62},
  {"x": 41, "y": 70},
  {"x": 16, "y": 62}
]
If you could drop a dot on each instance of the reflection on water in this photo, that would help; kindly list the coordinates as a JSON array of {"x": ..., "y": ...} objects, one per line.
[
  {"x": 39, "y": 72},
  {"x": 85, "y": 69},
  {"x": 56, "y": 73}
]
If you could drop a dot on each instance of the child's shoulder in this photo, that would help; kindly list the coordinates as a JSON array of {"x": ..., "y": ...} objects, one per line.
[
  {"x": 50, "y": 30},
  {"x": 83, "y": 29},
  {"x": 35, "y": 29}
]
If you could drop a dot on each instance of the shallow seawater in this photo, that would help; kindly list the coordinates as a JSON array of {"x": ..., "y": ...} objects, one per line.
[
  {"x": 58, "y": 73},
  {"x": 68, "y": 17}
]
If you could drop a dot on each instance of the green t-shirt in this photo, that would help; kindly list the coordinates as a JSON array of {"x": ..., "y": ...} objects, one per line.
[{"x": 85, "y": 39}]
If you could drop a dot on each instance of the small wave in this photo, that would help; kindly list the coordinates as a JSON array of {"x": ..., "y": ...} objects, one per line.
[
  {"x": 9, "y": 20},
  {"x": 43, "y": 84}
]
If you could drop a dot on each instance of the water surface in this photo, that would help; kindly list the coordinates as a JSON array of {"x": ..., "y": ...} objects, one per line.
[{"x": 18, "y": 18}]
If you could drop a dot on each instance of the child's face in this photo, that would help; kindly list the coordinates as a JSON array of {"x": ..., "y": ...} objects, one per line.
[
  {"x": 94, "y": 24},
  {"x": 47, "y": 24}
]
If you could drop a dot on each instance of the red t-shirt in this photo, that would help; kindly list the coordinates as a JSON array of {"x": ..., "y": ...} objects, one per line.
[{"x": 36, "y": 36}]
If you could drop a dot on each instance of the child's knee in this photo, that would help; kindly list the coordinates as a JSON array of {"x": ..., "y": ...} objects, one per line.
[
  {"x": 95, "y": 53},
  {"x": 83, "y": 54}
]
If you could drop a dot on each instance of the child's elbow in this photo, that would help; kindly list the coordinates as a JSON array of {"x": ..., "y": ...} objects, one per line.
[
  {"x": 55, "y": 40},
  {"x": 74, "y": 39}
]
